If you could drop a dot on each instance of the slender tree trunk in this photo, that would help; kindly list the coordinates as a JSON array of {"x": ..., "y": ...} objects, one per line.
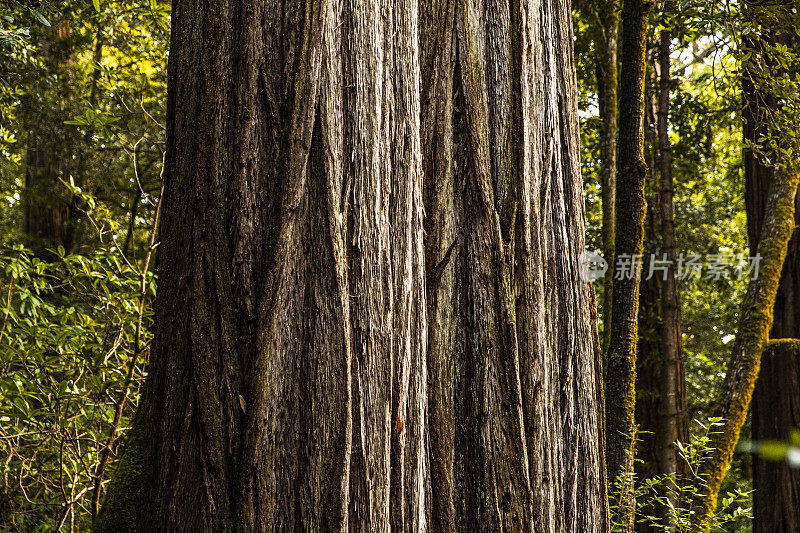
[
  {"x": 648, "y": 359},
  {"x": 607, "y": 96},
  {"x": 673, "y": 425},
  {"x": 660, "y": 387},
  {"x": 133, "y": 209},
  {"x": 776, "y": 398},
  {"x": 603, "y": 18},
  {"x": 648, "y": 346},
  {"x": 630, "y": 216},
  {"x": 322, "y": 363}
]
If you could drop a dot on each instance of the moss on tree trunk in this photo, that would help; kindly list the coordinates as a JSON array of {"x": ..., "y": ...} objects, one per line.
[
  {"x": 630, "y": 215},
  {"x": 752, "y": 337}
]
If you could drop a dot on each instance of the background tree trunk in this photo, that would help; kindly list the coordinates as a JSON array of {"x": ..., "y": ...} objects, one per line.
[
  {"x": 317, "y": 365},
  {"x": 752, "y": 335},
  {"x": 648, "y": 356},
  {"x": 47, "y": 206},
  {"x": 46, "y": 217},
  {"x": 660, "y": 389},
  {"x": 603, "y": 18},
  {"x": 776, "y": 399},
  {"x": 607, "y": 96},
  {"x": 673, "y": 424},
  {"x": 630, "y": 217}
]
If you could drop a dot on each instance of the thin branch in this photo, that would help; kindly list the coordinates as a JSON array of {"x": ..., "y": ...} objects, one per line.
[{"x": 106, "y": 452}]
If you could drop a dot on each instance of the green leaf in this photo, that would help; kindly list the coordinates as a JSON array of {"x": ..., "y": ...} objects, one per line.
[
  {"x": 96, "y": 5},
  {"x": 38, "y": 16}
]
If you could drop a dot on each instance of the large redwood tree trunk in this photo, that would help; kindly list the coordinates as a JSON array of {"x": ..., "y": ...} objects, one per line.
[
  {"x": 330, "y": 353},
  {"x": 510, "y": 350}
]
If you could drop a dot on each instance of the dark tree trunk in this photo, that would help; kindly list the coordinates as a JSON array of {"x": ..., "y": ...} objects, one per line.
[
  {"x": 775, "y": 414},
  {"x": 660, "y": 385},
  {"x": 672, "y": 421},
  {"x": 47, "y": 209},
  {"x": 47, "y": 205},
  {"x": 648, "y": 358},
  {"x": 648, "y": 346},
  {"x": 603, "y": 18},
  {"x": 776, "y": 399},
  {"x": 324, "y": 358},
  {"x": 630, "y": 217}
]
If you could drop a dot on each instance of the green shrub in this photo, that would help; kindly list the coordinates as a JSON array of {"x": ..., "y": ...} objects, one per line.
[
  {"x": 664, "y": 503},
  {"x": 67, "y": 335}
]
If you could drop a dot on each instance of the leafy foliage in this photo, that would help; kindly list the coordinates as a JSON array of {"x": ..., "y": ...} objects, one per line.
[
  {"x": 662, "y": 492},
  {"x": 66, "y": 343},
  {"x": 82, "y": 104}
]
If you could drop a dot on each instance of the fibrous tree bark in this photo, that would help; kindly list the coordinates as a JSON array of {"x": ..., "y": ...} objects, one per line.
[
  {"x": 630, "y": 217},
  {"x": 499, "y": 158},
  {"x": 325, "y": 356}
]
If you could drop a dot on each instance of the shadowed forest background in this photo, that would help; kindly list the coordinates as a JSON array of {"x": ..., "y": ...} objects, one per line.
[{"x": 370, "y": 313}]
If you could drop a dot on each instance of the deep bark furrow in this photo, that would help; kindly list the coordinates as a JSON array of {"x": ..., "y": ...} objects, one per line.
[{"x": 527, "y": 230}]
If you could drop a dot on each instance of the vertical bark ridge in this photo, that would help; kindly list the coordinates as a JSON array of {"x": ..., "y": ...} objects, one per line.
[
  {"x": 371, "y": 283},
  {"x": 442, "y": 254},
  {"x": 585, "y": 485},
  {"x": 505, "y": 203},
  {"x": 410, "y": 396},
  {"x": 304, "y": 337}
]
